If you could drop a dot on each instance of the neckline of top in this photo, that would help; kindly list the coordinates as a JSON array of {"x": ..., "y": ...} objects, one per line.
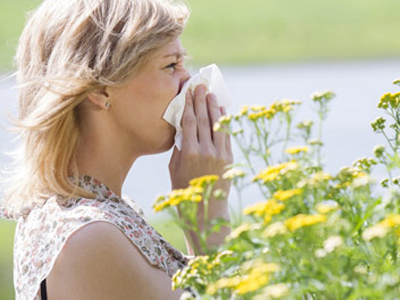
[{"x": 95, "y": 186}]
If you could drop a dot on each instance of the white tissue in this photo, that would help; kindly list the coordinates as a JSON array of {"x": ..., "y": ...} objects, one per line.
[{"x": 212, "y": 78}]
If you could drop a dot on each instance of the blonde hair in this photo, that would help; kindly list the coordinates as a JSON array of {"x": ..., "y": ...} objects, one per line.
[{"x": 68, "y": 49}]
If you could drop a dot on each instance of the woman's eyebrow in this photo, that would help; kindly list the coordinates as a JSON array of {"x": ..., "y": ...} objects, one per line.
[{"x": 178, "y": 54}]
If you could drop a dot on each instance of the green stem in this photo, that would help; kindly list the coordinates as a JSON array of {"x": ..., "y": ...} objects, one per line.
[
  {"x": 321, "y": 117},
  {"x": 240, "y": 203},
  {"x": 288, "y": 128}
]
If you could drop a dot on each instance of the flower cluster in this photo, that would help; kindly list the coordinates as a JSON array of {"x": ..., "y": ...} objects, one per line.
[
  {"x": 317, "y": 234},
  {"x": 297, "y": 150},
  {"x": 273, "y": 172},
  {"x": 379, "y": 124},
  {"x": 301, "y": 220},
  {"x": 389, "y": 100},
  {"x": 176, "y": 197},
  {"x": 380, "y": 229},
  {"x": 322, "y": 96},
  {"x": 265, "y": 209}
]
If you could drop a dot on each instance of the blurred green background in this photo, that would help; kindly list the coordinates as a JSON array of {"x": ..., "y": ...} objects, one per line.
[
  {"x": 263, "y": 31},
  {"x": 244, "y": 32}
]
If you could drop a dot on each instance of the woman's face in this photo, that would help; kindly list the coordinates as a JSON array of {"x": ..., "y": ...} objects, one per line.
[{"x": 138, "y": 107}]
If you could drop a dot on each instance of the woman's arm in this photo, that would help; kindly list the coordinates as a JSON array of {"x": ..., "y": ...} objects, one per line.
[{"x": 100, "y": 262}]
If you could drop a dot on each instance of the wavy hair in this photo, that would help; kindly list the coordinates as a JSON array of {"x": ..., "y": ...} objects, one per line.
[{"x": 68, "y": 49}]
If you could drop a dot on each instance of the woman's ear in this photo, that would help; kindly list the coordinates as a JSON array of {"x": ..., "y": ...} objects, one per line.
[{"x": 100, "y": 98}]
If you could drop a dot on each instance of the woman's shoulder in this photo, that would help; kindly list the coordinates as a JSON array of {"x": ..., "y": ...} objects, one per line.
[
  {"x": 47, "y": 230},
  {"x": 41, "y": 235},
  {"x": 101, "y": 256}
]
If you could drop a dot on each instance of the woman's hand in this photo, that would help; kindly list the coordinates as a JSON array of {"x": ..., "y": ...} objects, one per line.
[{"x": 204, "y": 152}]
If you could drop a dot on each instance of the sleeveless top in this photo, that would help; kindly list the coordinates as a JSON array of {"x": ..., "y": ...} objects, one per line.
[{"x": 41, "y": 234}]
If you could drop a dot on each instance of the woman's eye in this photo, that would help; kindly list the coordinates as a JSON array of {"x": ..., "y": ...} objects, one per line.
[{"x": 173, "y": 65}]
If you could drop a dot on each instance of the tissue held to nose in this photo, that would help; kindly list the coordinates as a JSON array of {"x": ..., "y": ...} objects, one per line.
[{"x": 212, "y": 78}]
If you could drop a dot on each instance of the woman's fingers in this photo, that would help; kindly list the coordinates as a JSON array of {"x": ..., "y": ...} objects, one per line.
[
  {"x": 189, "y": 123},
  {"x": 200, "y": 114},
  {"x": 215, "y": 113},
  {"x": 202, "y": 118}
]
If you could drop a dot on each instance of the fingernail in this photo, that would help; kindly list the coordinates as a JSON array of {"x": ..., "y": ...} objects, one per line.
[
  {"x": 212, "y": 98},
  {"x": 201, "y": 89}
]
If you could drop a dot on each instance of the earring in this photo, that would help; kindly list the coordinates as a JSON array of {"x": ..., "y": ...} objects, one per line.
[{"x": 108, "y": 104}]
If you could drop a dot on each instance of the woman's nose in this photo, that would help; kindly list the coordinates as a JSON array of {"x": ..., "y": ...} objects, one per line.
[{"x": 185, "y": 77}]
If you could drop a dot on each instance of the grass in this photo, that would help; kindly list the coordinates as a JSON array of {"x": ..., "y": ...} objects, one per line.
[
  {"x": 7, "y": 229},
  {"x": 291, "y": 30},
  {"x": 261, "y": 31},
  {"x": 12, "y": 19}
]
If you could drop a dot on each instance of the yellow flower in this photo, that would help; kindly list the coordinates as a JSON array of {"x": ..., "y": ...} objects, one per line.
[
  {"x": 265, "y": 209},
  {"x": 251, "y": 283},
  {"x": 261, "y": 112},
  {"x": 382, "y": 228},
  {"x": 389, "y": 99},
  {"x": 226, "y": 119},
  {"x": 198, "y": 261},
  {"x": 158, "y": 207},
  {"x": 258, "y": 108},
  {"x": 202, "y": 181},
  {"x": 192, "y": 194},
  {"x": 305, "y": 124},
  {"x": 177, "y": 278},
  {"x": 223, "y": 120},
  {"x": 255, "y": 116},
  {"x": 273, "y": 291},
  {"x": 273, "y": 172},
  {"x": 222, "y": 283},
  {"x": 321, "y": 176},
  {"x": 360, "y": 269},
  {"x": 243, "y": 228},
  {"x": 347, "y": 175},
  {"x": 296, "y": 150},
  {"x": 217, "y": 126},
  {"x": 222, "y": 254},
  {"x": 244, "y": 110},
  {"x": 256, "y": 278},
  {"x": 269, "y": 174},
  {"x": 270, "y": 113},
  {"x": 323, "y": 96},
  {"x": 315, "y": 180},
  {"x": 274, "y": 229},
  {"x": 233, "y": 173},
  {"x": 391, "y": 221},
  {"x": 315, "y": 142},
  {"x": 374, "y": 231},
  {"x": 302, "y": 220},
  {"x": 332, "y": 243},
  {"x": 284, "y": 195},
  {"x": 327, "y": 206},
  {"x": 284, "y": 106}
]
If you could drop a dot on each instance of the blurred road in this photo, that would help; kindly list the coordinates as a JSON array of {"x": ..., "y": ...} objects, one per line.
[{"x": 347, "y": 133}]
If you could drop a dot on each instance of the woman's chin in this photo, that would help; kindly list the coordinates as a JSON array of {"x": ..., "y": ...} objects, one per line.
[{"x": 167, "y": 143}]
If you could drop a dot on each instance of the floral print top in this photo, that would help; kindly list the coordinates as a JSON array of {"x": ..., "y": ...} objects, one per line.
[{"x": 40, "y": 236}]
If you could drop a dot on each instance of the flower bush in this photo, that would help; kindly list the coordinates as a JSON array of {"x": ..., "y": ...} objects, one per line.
[{"x": 314, "y": 235}]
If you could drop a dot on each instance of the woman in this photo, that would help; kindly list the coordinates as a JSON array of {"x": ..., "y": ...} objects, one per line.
[{"x": 95, "y": 77}]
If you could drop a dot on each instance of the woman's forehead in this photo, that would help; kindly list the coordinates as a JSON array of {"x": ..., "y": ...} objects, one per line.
[{"x": 172, "y": 49}]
